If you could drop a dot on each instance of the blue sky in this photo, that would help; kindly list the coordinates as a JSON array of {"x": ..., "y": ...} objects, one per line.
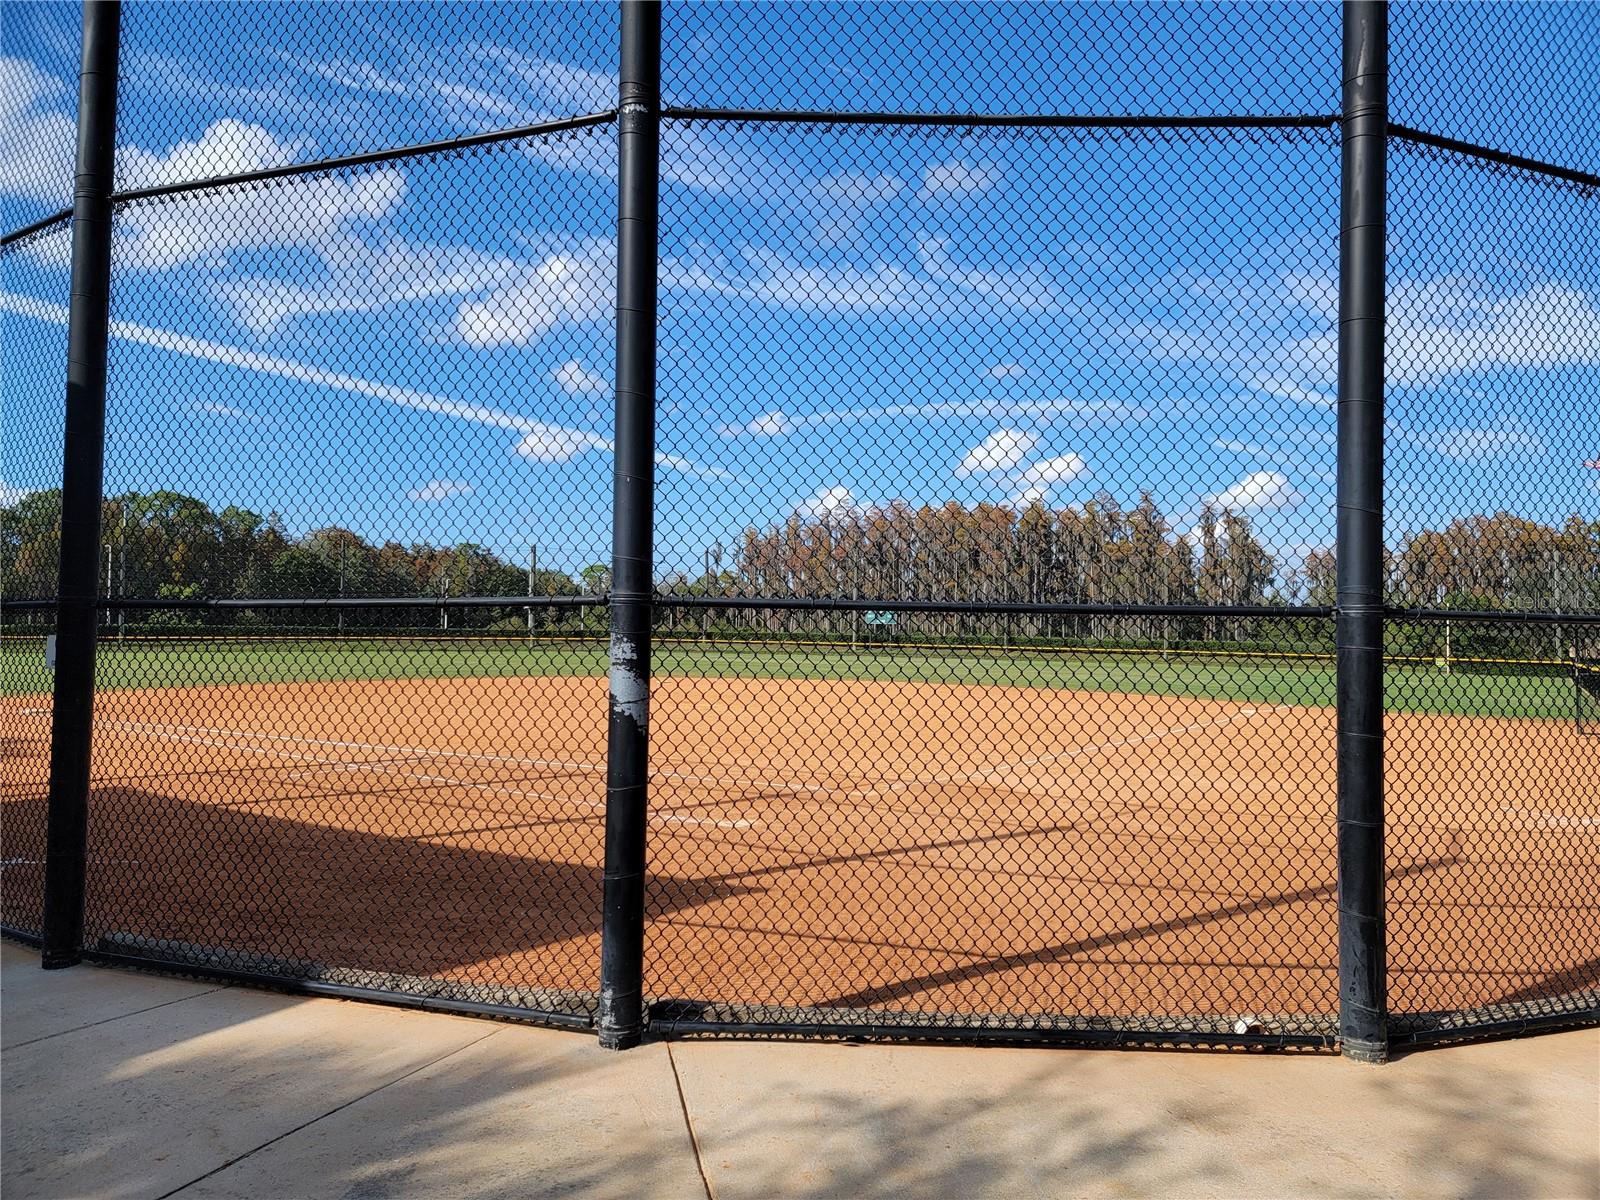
[{"x": 850, "y": 317}]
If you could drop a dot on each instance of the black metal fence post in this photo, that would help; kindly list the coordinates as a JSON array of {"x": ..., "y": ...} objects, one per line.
[
  {"x": 633, "y": 500},
  {"x": 67, "y": 837},
  {"x": 1363, "y": 1004}
]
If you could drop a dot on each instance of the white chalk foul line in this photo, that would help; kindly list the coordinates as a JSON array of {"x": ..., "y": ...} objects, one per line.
[
  {"x": 1539, "y": 818},
  {"x": 464, "y": 756},
  {"x": 162, "y": 733}
]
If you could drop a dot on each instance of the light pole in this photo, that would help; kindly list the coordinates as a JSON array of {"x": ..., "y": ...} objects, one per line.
[{"x": 533, "y": 567}]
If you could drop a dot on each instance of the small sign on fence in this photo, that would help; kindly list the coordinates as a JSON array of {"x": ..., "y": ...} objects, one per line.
[
  {"x": 50, "y": 651},
  {"x": 880, "y": 618}
]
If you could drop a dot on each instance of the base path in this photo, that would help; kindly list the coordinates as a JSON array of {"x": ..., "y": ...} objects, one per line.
[{"x": 925, "y": 850}]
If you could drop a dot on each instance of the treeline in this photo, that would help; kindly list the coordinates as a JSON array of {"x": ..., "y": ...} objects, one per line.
[
  {"x": 165, "y": 545},
  {"x": 171, "y": 546},
  {"x": 1102, "y": 553}
]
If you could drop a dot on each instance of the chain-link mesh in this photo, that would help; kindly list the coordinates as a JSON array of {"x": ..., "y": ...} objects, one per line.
[
  {"x": 310, "y": 81},
  {"x": 33, "y": 347},
  {"x": 396, "y": 797},
  {"x": 1030, "y": 59},
  {"x": 38, "y": 106},
  {"x": 1493, "y": 504},
  {"x": 925, "y": 371},
  {"x": 1517, "y": 78},
  {"x": 994, "y": 665}
]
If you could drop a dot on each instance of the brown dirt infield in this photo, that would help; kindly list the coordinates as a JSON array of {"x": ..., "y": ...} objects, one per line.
[{"x": 904, "y": 847}]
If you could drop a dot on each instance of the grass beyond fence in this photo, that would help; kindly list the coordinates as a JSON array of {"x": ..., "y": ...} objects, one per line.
[{"x": 1537, "y": 689}]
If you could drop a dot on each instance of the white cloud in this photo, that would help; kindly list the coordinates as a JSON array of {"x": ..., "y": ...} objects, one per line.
[
  {"x": 955, "y": 179},
  {"x": 540, "y": 440},
  {"x": 1437, "y": 328},
  {"x": 1456, "y": 325},
  {"x": 37, "y": 134},
  {"x": 1051, "y": 471},
  {"x": 442, "y": 489},
  {"x": 1007, "y": 370},
  {"x": 365, "y": 279},
  {"x": 317, "y": 213},
  {"x": 1000, "y": 451},
  {"x": 929, "y": 290},
  {"x": 843, "y": 202},
  {"x": 1260, "y": 491},
  {"x": 853, "y": 187},
  {"x": 1477, "y": 445},
  {"x": 558, "y": 443},
  {"x": 1029, "y": 496},
  {"x": 574, "y": 286},
  {"x": 576, "y": 379},
  {"x": 12, "y": 495},
  {"x": 829, "y": 502},
  {"x": 1028, "y": 288},
  {"x": 815, "y": 287},
  {"x": 1315, "y": 365},
  {"x": 1077, "y": 412},
  {"x": 772, "y": 424},
  {"x": 223, "y": 410}
]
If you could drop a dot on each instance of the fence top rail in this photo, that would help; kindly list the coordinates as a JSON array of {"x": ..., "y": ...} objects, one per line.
[
  {"x": 366, "y": 158},
  {"x": 33, "y": 227},
  {"x": 304, "y": 602},
  {"x": 1006, "y": 120},
  {"x": 1019, "y": 608},
  {"x": 827, "y": 604},
  {"x": 1405, "y": 133},
  {"x": 1512, "y": 616}
]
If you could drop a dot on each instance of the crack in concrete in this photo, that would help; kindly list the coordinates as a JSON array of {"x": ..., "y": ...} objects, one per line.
[
  {"x": 338, "y": 1108},
  {"x": 688, "y": 1123}
]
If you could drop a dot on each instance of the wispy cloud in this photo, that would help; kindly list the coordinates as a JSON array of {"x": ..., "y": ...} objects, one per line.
[
  {"x": 364, "y": 279},
  {"x": 1439, "y": 328},
  {"x": 540, "y": 440},
  {"x": 442, "y": 489},
  {"x": 1057, "y": 409},
  {"x": 1478, "y": 445},
  {"x": 1007, "y": 370},
  {"x": 955, "y": 179},
  {"x": 844, "y": 200},
  {"x": 770, "y": 424},
  {"x": 212, "y": 409}
]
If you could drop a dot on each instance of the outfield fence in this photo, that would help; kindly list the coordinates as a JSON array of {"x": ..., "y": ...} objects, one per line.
[{"x": 1038, "y": 523}]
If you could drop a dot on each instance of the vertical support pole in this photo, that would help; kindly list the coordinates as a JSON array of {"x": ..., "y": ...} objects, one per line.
[
  {"x": 632, "y": 538},
  {"x": 1363, "y": 983},
  {"x": 67, "y": 836}
]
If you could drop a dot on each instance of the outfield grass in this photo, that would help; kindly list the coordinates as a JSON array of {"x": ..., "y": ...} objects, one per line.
[{"x": 1248, "y": 678}]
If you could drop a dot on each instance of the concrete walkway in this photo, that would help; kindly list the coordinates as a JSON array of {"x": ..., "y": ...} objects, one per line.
[{"x": 119, "y": 1084}]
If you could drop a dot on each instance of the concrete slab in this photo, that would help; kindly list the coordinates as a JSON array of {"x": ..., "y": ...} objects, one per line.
[
  {"x": 1498, "y": 1120},
  {"x": 529, "y": 1113},
  {"x": 38, "y": 1004},
  {"x": 146, "y": 1103},
  {"x": 231, "y": 1093}
]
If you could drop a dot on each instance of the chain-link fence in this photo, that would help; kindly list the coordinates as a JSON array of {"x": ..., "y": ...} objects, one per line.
[{"x": 985, "y": 618}]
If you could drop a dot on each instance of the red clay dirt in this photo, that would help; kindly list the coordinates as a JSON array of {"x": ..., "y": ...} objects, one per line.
[{"x": 910, "y": 848}]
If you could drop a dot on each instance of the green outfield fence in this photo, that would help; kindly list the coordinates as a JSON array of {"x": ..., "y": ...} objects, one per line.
[{"x": 1087, "y": 516}]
